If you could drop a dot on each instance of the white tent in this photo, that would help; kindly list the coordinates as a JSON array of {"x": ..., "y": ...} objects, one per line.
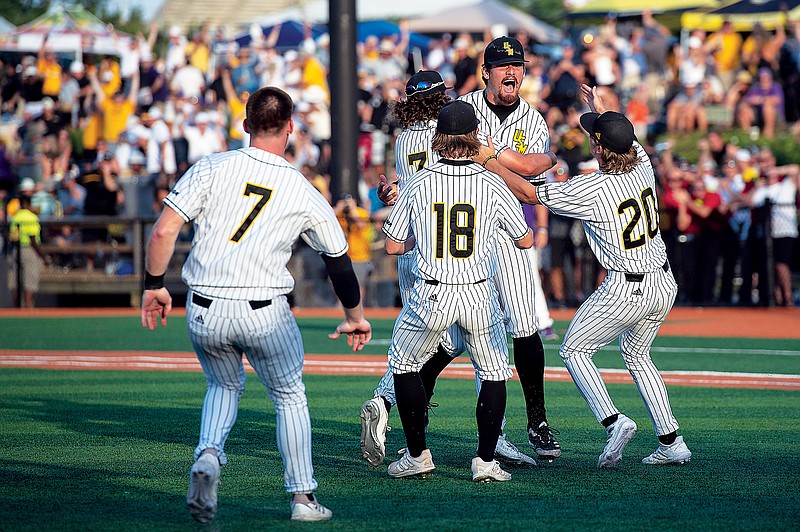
[
  {"x": 477, "y": 17},
  {"x": 318, "y": 11}
]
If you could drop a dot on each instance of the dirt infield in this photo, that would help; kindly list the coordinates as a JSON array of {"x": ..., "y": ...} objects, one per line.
[
  {"x": 700, "y": 322},
  {"x": 318, "y": 364}
]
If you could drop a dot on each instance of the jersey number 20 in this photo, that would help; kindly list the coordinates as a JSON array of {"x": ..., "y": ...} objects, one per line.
[
  {"x": 460, "y": 230},
  {"x": 265, "y": 194},
  {"x": 648, "y": 205}
]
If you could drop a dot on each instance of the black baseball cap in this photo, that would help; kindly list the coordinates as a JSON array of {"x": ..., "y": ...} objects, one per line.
[
  {"x": 457, "y": 118},
  {"x": 503, "y": 51},
  {"x": 611, "y": 130},
  {"x": 425, "y": 82}
]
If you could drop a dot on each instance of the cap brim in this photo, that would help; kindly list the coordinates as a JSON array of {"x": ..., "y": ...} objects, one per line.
[
  {"x": 501, "y": 63},
  {"x": 587, "y": 121}
]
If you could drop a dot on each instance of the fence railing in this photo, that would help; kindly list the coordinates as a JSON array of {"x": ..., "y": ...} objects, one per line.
[{"x": 79, "y": 271}]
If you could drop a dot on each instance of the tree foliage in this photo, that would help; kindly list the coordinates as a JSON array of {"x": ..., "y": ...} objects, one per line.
[
  {"x": 20, "y": 12},
  {"x": 550, "y": 11}
]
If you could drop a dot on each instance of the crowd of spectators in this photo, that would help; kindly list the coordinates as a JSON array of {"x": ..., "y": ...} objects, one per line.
[{"x": 110, "y": 135}]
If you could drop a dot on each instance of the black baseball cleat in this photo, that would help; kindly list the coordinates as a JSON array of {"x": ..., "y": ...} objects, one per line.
[{"x": 543, "y": 441}]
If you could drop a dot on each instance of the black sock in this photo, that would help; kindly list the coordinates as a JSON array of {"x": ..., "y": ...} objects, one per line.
[
  {"x": 529, "y": 360},
  {"x": 489, "y": 412},
  {"x": 610, "y": 420},
  {"x": 668, "y": 439},
  {"x": 433, "y": 368},
  {"x": 387, "y": 404},
  {"x": 411, "y": 405}
]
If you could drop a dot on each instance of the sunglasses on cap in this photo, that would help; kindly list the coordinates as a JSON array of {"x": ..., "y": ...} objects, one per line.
[{"x": 422, "y": 86}]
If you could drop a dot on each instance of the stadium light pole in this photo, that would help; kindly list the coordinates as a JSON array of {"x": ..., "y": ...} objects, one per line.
[{"x": 344, "y": 111}]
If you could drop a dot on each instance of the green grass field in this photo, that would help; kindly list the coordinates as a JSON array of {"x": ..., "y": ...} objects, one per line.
[{"x": 111, "y": 450}]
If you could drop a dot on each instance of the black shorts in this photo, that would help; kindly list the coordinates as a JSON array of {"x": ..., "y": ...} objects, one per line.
[{"x": 782, "y": 249}]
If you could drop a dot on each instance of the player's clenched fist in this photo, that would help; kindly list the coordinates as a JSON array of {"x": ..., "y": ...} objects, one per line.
[{"x": 387, "y": 192}]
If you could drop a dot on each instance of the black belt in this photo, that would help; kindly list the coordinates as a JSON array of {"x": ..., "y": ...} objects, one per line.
[
  {"x": 205, "y": 302},
  {"x": 434, "y": 282},
  {"x": 639, "y": 277}
]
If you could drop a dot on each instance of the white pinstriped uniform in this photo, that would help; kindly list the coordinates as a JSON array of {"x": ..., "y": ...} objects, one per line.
[
  {"x": 412, "y": 150},
  {"x": 518, "y": 280},
  {"x": 249, "y": 207},
  {"x": 619, "y": 213},
  {"x": 455, "y": 209}
]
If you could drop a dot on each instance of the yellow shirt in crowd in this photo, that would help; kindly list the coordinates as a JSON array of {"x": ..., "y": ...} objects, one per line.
[
  {"x": 51, "y": 76},
  {"x": 25, "y": 226},
  {"x": 359, "y": 234},
  {"x": 115, "y": 117}
]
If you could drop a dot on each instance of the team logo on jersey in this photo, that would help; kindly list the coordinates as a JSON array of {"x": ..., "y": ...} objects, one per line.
[{"x": 519, "y": 141}]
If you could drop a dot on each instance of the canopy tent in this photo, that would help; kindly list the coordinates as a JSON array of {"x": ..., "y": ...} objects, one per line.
[
  {"x": 593, "y": 8},
  {"x": 318, "y": 11},
  {"x": 743, "y": 15},
  {"x": 70, "y": 29},
  {"x": 5, "y": 26},
  {"x": 292, "y": 33},
  {"x": 477, "y": 17}
]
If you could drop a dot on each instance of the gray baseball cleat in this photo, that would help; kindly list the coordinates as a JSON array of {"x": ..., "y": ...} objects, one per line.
[
  {"x": 677, "y": 453},
  {"x": 619, "y": 434},
  {"x": 508, "y": 454},
  {"x": 203, "y": 483},
  {"x": 374, "y": 418}
]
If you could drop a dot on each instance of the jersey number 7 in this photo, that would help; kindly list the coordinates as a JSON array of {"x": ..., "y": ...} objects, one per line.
[{"x": 265, "y": 194}]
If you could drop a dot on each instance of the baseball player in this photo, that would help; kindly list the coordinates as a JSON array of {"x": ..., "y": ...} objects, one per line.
[
  {"x": 417, "y": 114},
  {"x": 522, "y": 141},
  {"x": 452, "y": 211},
  {"x": 619, "y": 211},
  {"x": 248, "y": 207}
]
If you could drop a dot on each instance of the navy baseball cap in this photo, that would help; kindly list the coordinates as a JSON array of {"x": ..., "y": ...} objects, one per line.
[
  {"x": 611, "y": 130},
  {"x": 503, "y": 51},
  {"x": 425, "y": 82},
  {"x": 457, "y": 118}
]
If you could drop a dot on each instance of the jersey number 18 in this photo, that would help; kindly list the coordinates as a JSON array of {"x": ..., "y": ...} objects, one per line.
[{"x": 460, "y": 230}]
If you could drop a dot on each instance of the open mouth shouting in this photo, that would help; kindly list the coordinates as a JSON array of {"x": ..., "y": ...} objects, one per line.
[{"x": 508, "y": 91}]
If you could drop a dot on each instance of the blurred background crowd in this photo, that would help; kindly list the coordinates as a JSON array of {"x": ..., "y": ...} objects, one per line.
[{"x": 719, "y": 112}]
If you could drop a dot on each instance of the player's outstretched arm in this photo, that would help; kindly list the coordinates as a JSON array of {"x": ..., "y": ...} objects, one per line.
[
  {"x": 592, "y": 99},
  {"x": 156, "y": 300},
  {"x": 521, "y": 188},
  {"x": 345, "y": 284},
  {"x": 356, "y": 327}
]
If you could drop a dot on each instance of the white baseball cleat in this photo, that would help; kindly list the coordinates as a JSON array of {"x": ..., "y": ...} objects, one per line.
[
  {"x": 203, "y": 483},
  {"x": 677, "y": 453},
  {"x": 507, "y": 453},
  {"x": 488, "y": 471},
  {"x": 619, "y": 434},
  {"x": 310, "y": 511},
  {"x": 409, "y": 466},
  {"x": 374, "y": 419}
]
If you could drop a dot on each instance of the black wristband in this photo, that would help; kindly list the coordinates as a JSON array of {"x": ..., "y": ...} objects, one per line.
[{"x": 153, "y": 282}]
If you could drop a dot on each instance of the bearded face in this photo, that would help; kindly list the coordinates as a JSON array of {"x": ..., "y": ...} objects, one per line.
[{"x": 504, "y": 82}]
